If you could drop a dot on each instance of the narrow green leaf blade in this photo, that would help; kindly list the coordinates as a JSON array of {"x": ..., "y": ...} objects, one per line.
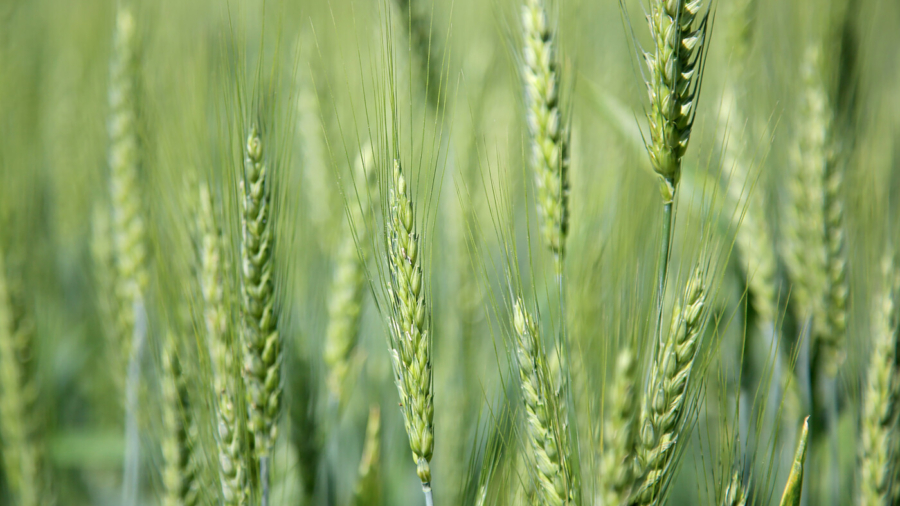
[{"x": 794, "y": 487}]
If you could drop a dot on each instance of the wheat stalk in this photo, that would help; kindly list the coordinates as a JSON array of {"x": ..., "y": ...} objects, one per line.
[
  {"x": 549, "y": 136},
  {"x": 879, "y": 411},
  {"x": 179, "y": 472},
  {"x": 793, "y": 489},
  {"x": 549, "y": 452},
  {"x": 368, "y": 481},
  {"x": 261, "y": 339},
  {"x": 22, "y": 455},
  {"x": 410, "y": 340},
  {"x": 664, "y": 403},
  {"x": 232, "y": 472},
  {"x": 617, "y": 437},
  {"x": 348, "y": 283}
]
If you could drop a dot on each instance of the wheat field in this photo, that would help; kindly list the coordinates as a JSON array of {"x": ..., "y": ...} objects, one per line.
[{"x": 449, "y": 252}]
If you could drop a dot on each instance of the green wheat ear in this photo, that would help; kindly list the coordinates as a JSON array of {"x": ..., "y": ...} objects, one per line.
[
  {"x": 549, "y": 136},
  {"x": 368, "y": 481},
  {"x": 616, "y": 476},
  {"x": 794, "y": 487},
  {"x": 410, "y": 340},
  {"x": 879, "y": 409},
  {"x": 545, "y": 435},
  {"x": 674, "y": 64},
  {"x": 22, "y": 452},
  {"x": 180, "y": 472},
  {"x": 664, "y": 402},
  {"x": 262, "y": 342}
]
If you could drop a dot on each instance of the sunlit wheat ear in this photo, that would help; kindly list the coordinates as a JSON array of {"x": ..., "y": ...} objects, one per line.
[
  {"x": 664, "y": 402},
  {"x": 793, "y": 490},
  {"x": 18, "y": 393},
  {"x": 616, "y": 453},
  {"x": 675, "y": 65},
  {"x": 548, "y": 452},
  {"x": 410, "y": 341},
  {"x": 814, "y": 229},
  {"x": 735, "y": 492},
  {"x": 368, "y": 481},
  {"x": 179, "y": 472},
  {"x": 348, "y": 283},
  {"x": 261, "y": 341},
  {"x": 879, "y": 410},
  {"x": 129, "y": 241},
  {"x": 548, "y": 132},
  {"x": 232, "y": 470}
]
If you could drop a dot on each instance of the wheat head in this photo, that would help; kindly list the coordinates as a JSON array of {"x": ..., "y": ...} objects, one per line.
[
  {"x": 617, "y": 449},
  {"x": 548, "y": 133},
  {"x": 663, "y": 408},
  {"x": 410, "y": 341}
]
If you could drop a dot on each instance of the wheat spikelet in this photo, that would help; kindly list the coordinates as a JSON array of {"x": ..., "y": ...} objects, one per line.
[
  {"x": 232, "y": 473},
  {"x": 549, "y": 135},
  {"x": 179, "y": 473},
  {"x": 676, "y": 59},
  {"x": 127, "y": 223},
  {"x": 368, "y": 481},
  {"x": 879, "y": 413},
  {"x": 348, "y": 283},
  {"x": 261, "y": 340},
  {"x": 664, "y": 403},
  {"x": 735, "y": 493},
  {"x": 22, "y": 455},
  {"x": 410, "y": 341},
  {"x": 542, "y": 417},
  {"x": 617, "y": 448}
]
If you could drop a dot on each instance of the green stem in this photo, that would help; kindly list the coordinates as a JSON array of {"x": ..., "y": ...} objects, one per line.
[{"x": 663, "y": 264}]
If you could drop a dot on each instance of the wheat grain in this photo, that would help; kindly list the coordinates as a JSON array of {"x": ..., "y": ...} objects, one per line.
[
  {"x": 665, "y": 400},
  {"x": 549, "y": 453},
  {"x": 411, "y": 342},
  {"x": 549, "y": 134},
  {"x": 617, "y": 437},
  {"x": 793, "y": 489},
  {"x": 879, "y": 412},
  {"x": 674, "y": 64},
  {"x": 348, "y": 283},
  {"x": 232, "y": 472}
]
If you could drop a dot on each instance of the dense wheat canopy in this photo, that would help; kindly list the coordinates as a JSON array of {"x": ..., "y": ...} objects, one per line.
[{"x": 449, "y": 252}]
